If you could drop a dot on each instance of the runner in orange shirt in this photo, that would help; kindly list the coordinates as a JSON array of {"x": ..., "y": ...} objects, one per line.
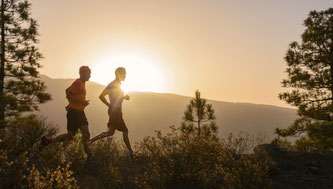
[{"x": 76, "y": 118}]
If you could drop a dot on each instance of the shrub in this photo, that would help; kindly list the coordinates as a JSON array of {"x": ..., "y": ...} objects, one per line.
[
  {"x": 188, "y": 160},
  {"x": 22, "y": 165},
  {"x": 176, "y": 160}
]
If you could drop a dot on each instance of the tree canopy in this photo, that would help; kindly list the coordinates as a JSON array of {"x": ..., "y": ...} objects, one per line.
[
  {"x": 20, "y": 88},
  {"x": 310, "y": 80}
]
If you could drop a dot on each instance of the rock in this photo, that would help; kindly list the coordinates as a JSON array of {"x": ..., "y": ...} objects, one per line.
[{"x": 275, "y": 153}]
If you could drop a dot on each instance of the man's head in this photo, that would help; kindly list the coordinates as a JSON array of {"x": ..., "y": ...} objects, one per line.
[
  {"x": 85, "y": 73},
  {"x": 120, "y": 73}
]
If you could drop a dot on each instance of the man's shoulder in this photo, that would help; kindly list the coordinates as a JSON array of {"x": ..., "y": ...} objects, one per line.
[
  {"x": 78, "y": 83},
  {"x": 113, "y": 83}
]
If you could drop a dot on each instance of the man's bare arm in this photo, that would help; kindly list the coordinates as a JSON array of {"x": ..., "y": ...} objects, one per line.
[{"x": 102, "y": 98}]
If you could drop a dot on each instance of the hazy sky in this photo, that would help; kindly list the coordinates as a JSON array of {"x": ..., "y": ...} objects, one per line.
[{"x": 230, "y": 50}]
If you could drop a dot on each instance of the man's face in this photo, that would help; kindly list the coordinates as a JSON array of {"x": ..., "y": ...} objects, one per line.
[
  {"x": 122, "y": 76},
  {"x": 86, "y": 76}
]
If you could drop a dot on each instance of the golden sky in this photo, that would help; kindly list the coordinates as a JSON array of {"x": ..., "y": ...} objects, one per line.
[{"x": 230, "y": 50}]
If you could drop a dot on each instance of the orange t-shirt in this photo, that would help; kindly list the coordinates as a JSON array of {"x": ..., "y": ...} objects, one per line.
[{"x": 78, "y": 90}]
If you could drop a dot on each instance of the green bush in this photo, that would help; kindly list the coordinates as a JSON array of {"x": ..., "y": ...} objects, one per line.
[
  {"x": 189, "y": 161},
  {"x": 22, "y": 165},
  {"x": 24, "y": 132},
  {"x": 107, "y": 155},
  {"x": 176, "y": 160}
]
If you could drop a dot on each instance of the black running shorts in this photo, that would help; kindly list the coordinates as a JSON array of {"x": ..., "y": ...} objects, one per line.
[
  {"x": 75, "y": 119},
  {"x": 116, "y": 120}
]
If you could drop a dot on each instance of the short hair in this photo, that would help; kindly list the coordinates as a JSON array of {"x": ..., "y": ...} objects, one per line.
[
  {"x": 120, "y": 70},
  {"x": 84, "y": 69}
]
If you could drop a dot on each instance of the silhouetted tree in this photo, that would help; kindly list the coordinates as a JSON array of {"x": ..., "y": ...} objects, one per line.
[
  {"x": 198, "y": 111},
  {"x": 310, "y": 79},
  {"x": 20, "y": 88}
]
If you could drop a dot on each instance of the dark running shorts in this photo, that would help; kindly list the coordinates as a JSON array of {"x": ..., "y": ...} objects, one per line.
[
  {"x": 116, "y": 120},
  {"x": 75, "y": 119}
]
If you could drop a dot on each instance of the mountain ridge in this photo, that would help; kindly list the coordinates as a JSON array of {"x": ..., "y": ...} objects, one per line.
[
  {"x": 43, "y": 77},
  {"x": 150, "y": 111}
]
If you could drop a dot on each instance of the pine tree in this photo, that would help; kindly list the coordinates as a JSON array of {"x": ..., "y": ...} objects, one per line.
[
  {"x": 20, "y": 88},
  {"x": 198, "y": 111},
  {"x": 310, "y": 80}
]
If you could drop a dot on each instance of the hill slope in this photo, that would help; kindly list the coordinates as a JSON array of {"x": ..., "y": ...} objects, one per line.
[{"x": 147, "y": 112}]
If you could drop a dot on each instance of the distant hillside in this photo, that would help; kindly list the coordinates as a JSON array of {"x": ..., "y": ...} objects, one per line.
[{"x": 147, "y": 112}]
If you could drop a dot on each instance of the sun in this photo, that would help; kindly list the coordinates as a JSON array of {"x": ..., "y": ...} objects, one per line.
[{"x": 142, "y": 74}]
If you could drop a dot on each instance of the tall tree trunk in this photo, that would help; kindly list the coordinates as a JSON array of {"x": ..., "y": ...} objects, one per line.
[
  {"x": 2, "y": 69},
  {"x": 331, "y": 112},
  {"x": 199, "y": 130}
]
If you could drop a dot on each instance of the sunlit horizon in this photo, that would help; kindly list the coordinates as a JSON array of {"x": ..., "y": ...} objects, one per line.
[
  {"x": 230, "y": 50},
  {"x": 141, "y": 72}
]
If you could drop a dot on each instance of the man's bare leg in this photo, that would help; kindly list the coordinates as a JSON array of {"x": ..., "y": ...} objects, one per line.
[
  {"x": 85, "y": 139},
  {"x": 64, "y": 137},
  {"x": 110, "y": 132},
  {"x": 127, "y": 142}
]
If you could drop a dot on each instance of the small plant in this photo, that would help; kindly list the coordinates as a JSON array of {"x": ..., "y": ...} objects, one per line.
[{"x": 198, "y": 111}]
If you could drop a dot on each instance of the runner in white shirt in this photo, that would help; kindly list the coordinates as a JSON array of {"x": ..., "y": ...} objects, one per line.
[{"x": 116, "y": 97}]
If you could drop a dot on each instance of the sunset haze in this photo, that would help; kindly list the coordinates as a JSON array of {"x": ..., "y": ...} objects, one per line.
[{"x": 229, "y": 50}]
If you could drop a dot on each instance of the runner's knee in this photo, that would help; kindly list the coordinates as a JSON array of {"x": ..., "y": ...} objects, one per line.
[
  {"x": 111, "y": 132},
  {"x": 70, "y": 136},
  {"x": 85, "y": 132},
  {"x": 85, "y": 135}
]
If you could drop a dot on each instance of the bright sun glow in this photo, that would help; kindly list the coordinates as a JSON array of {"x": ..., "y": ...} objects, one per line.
[{"x": 142, "y": 74}]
